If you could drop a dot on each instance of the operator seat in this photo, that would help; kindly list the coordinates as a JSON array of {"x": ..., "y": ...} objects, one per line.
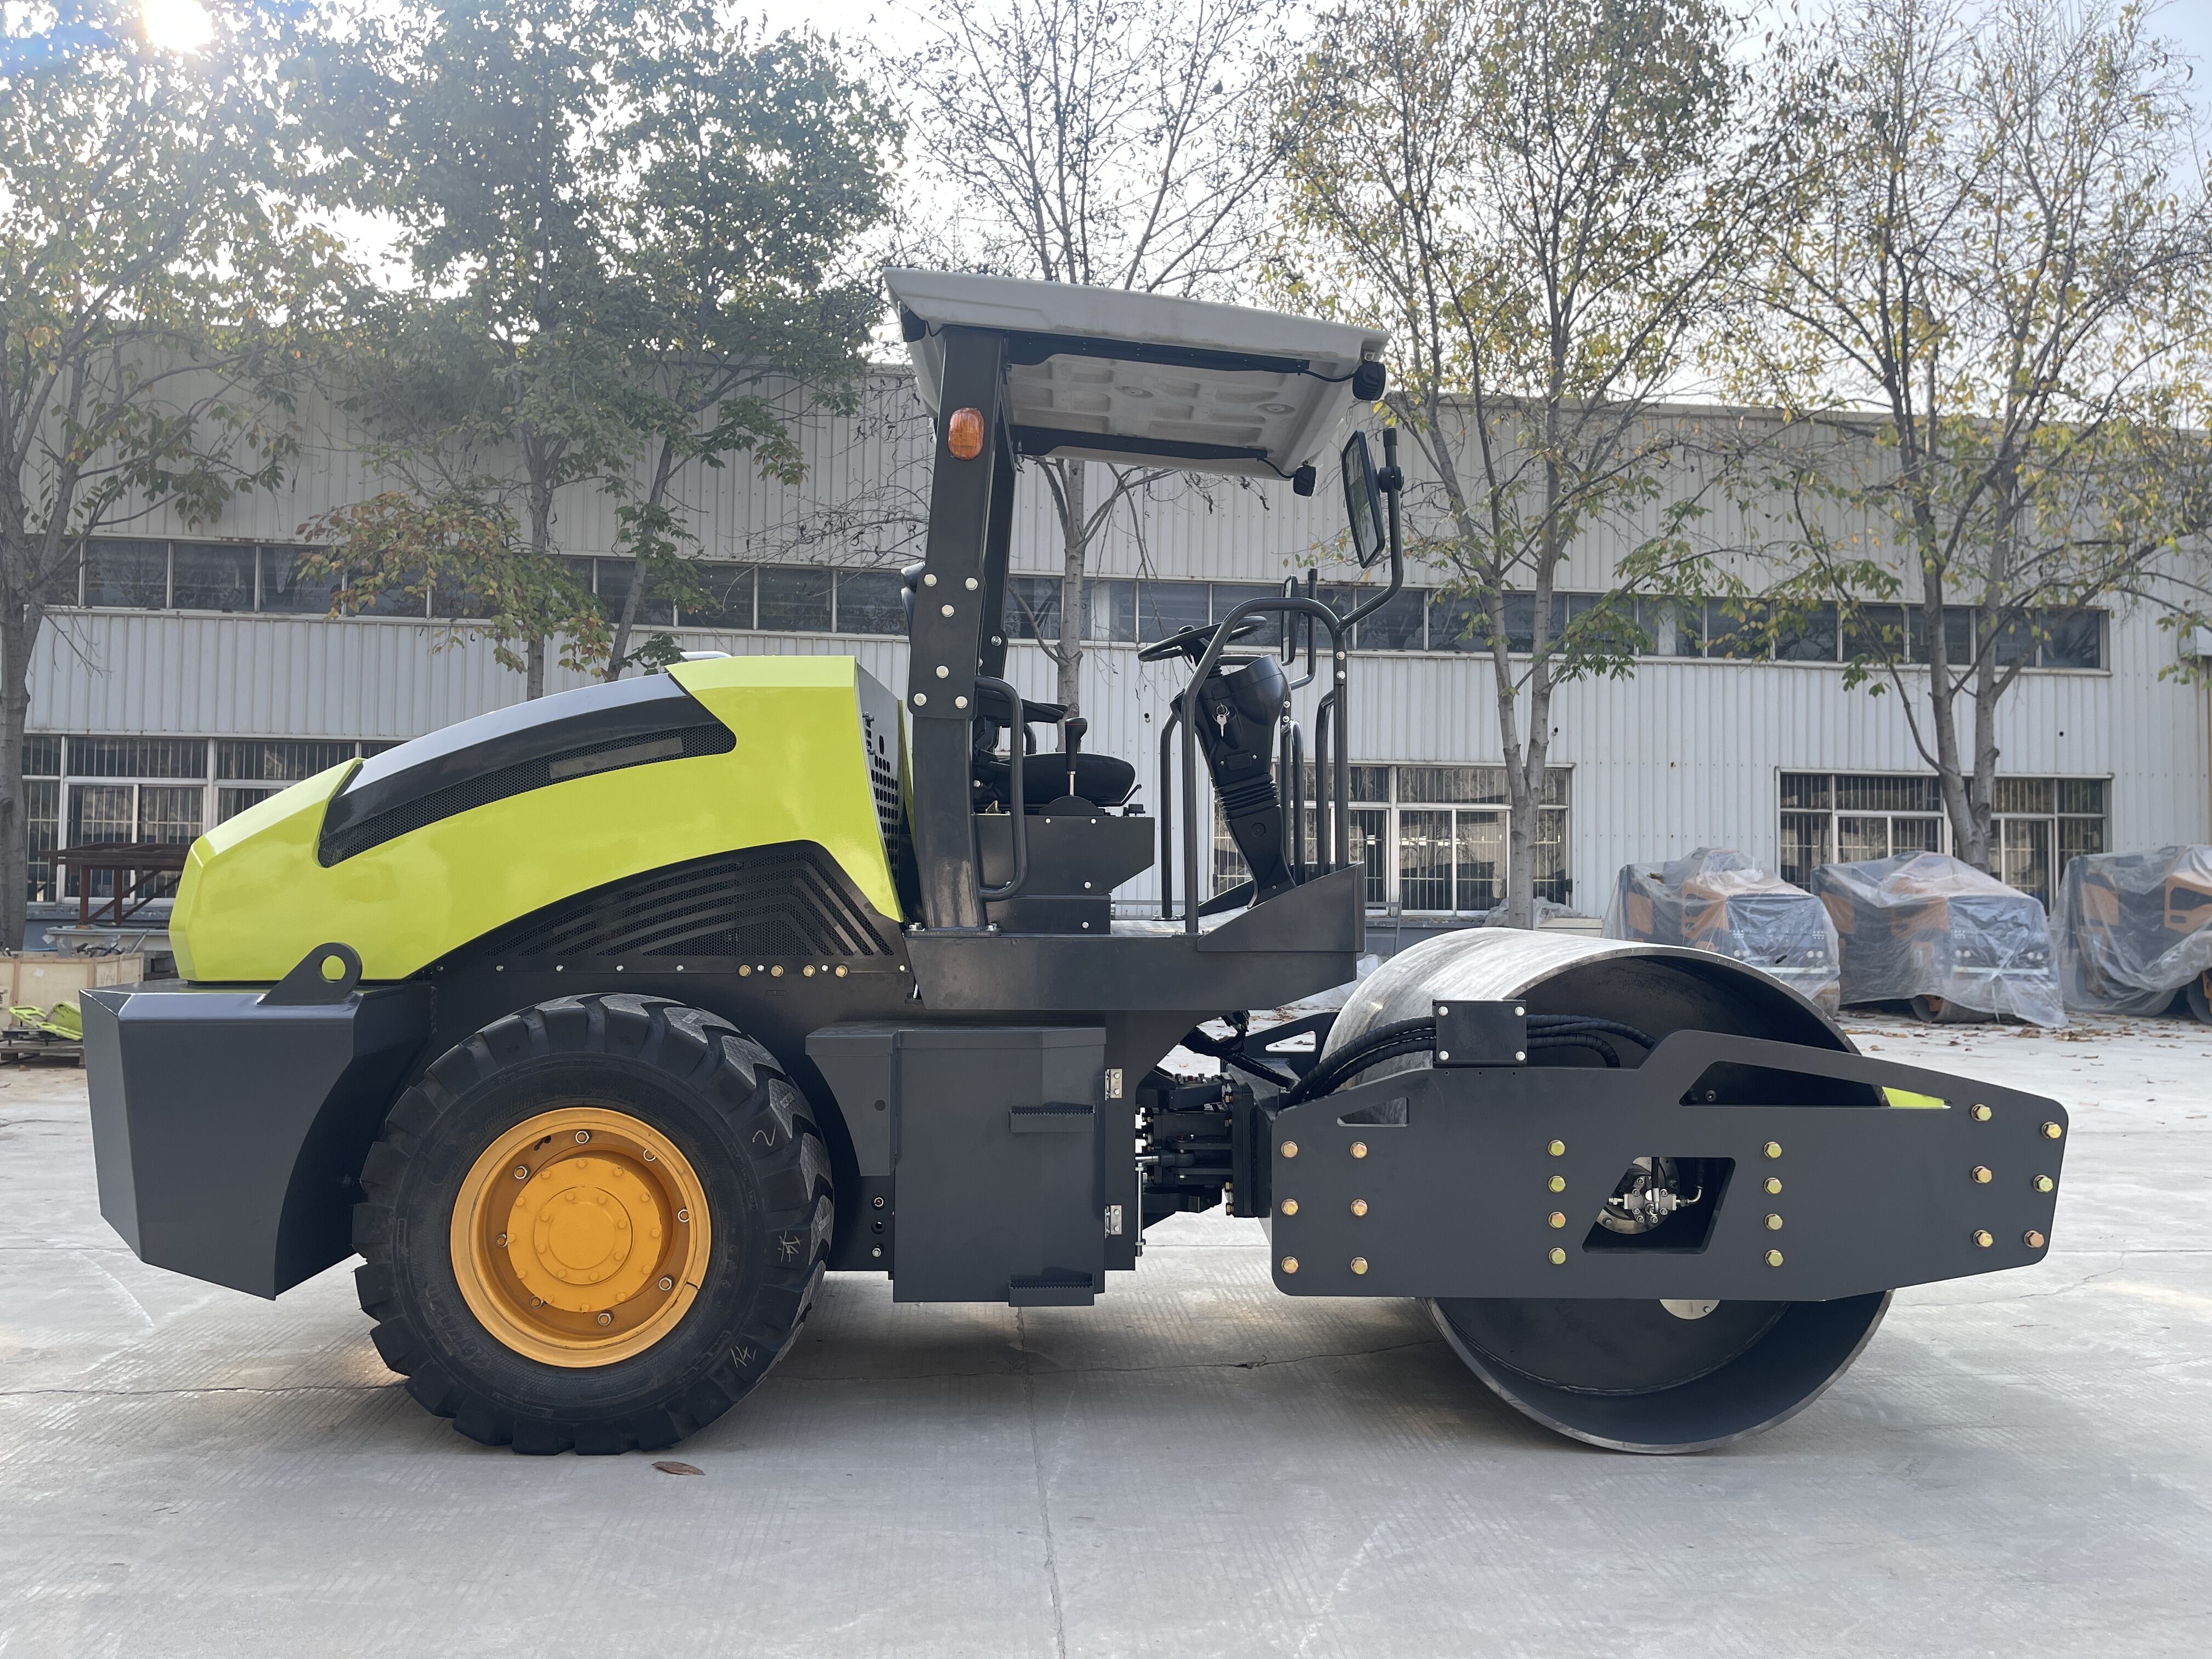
[{"x": 1099, "y": 781}]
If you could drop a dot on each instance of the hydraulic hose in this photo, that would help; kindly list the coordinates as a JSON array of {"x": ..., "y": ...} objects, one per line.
[{"x": 1406, "y": 1036}]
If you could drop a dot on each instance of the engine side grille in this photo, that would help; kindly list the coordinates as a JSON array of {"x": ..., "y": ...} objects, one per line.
[
  {"x": 790, "y": 900},
  {"x": 890, "y": 818}
]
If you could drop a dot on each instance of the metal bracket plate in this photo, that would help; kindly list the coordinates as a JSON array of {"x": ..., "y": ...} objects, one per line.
[
  {"x": 1482, "y": 1033},
  {"x": 1491, "y": 1183}
]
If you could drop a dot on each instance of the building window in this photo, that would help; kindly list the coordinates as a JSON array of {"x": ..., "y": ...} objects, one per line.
[
  {"x": 278, "y": 760},
  {"x": 2040, "y": 824},
  {"x": 794, "y": 599},
  {"x": 870, "y": 602},
  {"x": 615, "y": 578},
  {"x": 286, "y": 590},
  {"x": 213, "y": 578},
  {"x": 1266, "y": 627},
  {"x": 129, "y": 575},
  {"x": 1112, "y": 605},
  {"x": 1166, "y": 608},
  {"x": 1434, "y": 838},
  {"x": 729, "y": 602},
  {"x": 42, "y": 809},
  {"x": 86, "y": 789},
  {"x": 1033, "y": 608},
  {"x": 2043, "y": 639}
]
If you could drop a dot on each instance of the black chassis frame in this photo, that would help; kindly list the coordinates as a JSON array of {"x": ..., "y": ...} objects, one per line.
[{"x": 982, "y": 1081}]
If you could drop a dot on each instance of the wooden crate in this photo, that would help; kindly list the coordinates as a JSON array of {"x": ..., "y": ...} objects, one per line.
[{"x": 43, "y": 978}]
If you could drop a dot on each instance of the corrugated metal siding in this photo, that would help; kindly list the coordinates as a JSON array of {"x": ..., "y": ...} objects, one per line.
[{"x": 1681, "y": 753}]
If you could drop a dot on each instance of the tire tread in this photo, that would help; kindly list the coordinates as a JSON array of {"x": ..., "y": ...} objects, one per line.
[{"x": 744, "y": 1085}]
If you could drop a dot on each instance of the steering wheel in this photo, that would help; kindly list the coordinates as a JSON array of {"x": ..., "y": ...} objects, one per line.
[{"x": 1191, "y": 642}]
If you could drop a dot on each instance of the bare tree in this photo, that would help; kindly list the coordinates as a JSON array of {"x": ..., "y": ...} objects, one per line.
[
  {"x": 1545, "y": 200},
  {"x": 1101, "y": 142},
  {"x": 1989, "y": 326}
]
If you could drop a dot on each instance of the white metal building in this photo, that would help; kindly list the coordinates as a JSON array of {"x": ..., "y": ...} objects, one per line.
[{"x": 196, "y": 673}]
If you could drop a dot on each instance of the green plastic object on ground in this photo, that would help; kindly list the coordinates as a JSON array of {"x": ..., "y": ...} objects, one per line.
[{"x": 61, "y": 1021}]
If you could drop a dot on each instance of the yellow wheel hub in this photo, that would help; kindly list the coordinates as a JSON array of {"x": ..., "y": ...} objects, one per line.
[{"x": 579, "y": 1236}]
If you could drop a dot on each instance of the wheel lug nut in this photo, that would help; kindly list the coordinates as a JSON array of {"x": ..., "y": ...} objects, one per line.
[
  {"x": 503, "y": 1241},
  {"x": 522, "y": 1172},
  {"x": 582, "y": 1135},
  {"x": 667, "y": 1283},
  {"x": 606, "y": 1319}
]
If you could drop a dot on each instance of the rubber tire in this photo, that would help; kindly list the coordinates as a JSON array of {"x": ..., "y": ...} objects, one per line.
[
  {"x": 1938, "y": 1011},
  {"x": 2200, "y": 997},
  {"x": 747, "y": 1135}
]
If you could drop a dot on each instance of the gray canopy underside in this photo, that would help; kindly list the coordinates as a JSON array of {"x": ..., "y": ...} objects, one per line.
[{"x": 1141, "y": 378}]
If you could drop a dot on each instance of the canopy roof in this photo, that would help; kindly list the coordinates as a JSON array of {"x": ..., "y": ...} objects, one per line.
[{"x": 1105, "y": 374}]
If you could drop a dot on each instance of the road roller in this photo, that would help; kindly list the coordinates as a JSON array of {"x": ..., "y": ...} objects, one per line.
[
  {"x": 602, "y": 1027},
  {"x": 2133, "y": 931}
]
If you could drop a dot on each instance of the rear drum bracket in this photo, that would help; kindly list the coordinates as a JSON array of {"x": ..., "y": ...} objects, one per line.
[{"x": 1653, "y": 1249}]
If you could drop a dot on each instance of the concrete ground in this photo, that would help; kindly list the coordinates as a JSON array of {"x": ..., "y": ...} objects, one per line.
[{"x": 2020, "y": 1464}]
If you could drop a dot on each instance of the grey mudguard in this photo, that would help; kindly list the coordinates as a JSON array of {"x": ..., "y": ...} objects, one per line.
[{"x": 228, "y": 1131}]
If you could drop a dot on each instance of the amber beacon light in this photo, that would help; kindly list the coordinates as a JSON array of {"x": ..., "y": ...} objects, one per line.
[{"x": 963, "y": 433}]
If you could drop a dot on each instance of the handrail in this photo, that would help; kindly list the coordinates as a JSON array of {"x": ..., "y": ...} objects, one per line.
[
  {"x": 1167, "y": 818},
  {"x": 1017, "y": 802},
  {"x": 1206, "y": 663},
  {"x": 1290, "y": 591},
  {"x": 1328, "y": 801},
  {"x": 1293, "y": 767}
]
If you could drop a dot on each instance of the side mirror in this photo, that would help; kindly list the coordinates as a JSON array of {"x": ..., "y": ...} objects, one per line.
[{"x": 1363, "y": 502}]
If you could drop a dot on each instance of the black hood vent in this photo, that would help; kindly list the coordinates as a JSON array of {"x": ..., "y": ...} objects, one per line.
[{"x": 600, "y": 728}]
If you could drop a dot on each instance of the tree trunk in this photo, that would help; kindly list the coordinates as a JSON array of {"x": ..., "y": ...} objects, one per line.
[
  {"x": 18, "y": 634},
  {"x": 1074, "y": 546},
  {"x": 1525, "y": 778},
  {"x": 541, "y": 544},
  {"x": 1519, "y": 825},
  {"x": 664, "y": 469},
  {"x": 1978, "y": 847}
]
